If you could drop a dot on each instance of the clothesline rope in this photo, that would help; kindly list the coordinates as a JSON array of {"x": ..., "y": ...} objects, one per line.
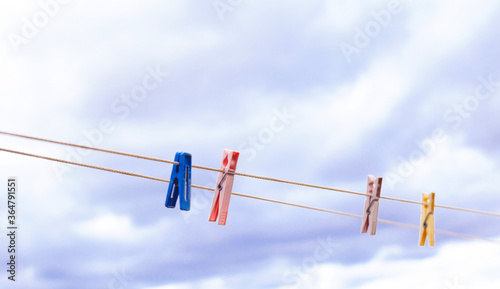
[
  {"x": 409, "y": 226},
  {"x": 252, "y": 176}
]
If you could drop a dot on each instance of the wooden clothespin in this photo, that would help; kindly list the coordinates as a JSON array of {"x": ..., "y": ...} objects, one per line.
[
  {"x": 370, "y": 212},
  {"x": 180, "y": 182},
  {"x": 222, "y": 194},
  {"x": 427, "y": 219}
]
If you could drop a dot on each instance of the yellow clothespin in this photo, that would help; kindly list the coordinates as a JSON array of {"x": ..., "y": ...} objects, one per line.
[{"x": 427, "y": 219}]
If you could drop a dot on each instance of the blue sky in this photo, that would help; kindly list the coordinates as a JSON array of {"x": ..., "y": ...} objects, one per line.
[{"x": 322, "y": 92}]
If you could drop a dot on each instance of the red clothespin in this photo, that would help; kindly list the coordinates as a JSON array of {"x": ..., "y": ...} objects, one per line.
[
  {"x": 222, "y": 195},
  {"x": 370, "y": 212}
]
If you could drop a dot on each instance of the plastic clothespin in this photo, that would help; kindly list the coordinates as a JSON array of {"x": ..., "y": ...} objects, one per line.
[
  {"x": 180, "y": 182},
  {"x": 370, "y": 212},
  {"x": 222, "y": 194},
  {"x": 427, "y": 219}
]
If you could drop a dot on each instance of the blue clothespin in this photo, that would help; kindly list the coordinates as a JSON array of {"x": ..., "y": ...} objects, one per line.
[{"x": 180, "y": 182}]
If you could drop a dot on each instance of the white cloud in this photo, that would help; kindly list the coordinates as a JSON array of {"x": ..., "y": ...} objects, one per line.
[
  {"x": 208, "y": 283},
  {"x": 53, "y": 79},
  {"x": 435, "y": 31},
  {"x": 454, "y": 171},
  {"x": 345, "y": 15},
  {"x": 470, "y": 264},
  {"x": 113, "y": 228},
  {"x": 347, "y": 113},
  {"x": 469, "y": 261}
]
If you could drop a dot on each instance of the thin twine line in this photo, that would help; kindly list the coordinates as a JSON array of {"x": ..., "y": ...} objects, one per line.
[
  {"x": 254, "y": 176},
  {"x": 84, "y": 165},
  {"x": 452, "y": 234}
]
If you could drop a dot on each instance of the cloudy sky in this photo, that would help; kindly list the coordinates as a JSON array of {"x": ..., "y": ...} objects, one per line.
[{"x": 322, "y": 92}]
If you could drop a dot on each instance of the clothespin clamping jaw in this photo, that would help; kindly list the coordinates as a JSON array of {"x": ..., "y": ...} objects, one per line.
[
  {"x": 222, "y": 194},
  {"x": 180, "y": 182},
  {"x": 370, "y": 212},
  {"x": 427, "y": 219}
]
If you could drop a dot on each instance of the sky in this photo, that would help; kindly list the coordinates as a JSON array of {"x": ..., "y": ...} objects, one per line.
[{"x": 320, "y": 92}]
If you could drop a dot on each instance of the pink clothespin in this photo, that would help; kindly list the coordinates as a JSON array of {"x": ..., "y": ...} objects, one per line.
[
  {"x": 370, "y": 213},
  {"x": 222, "y": 195}
]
